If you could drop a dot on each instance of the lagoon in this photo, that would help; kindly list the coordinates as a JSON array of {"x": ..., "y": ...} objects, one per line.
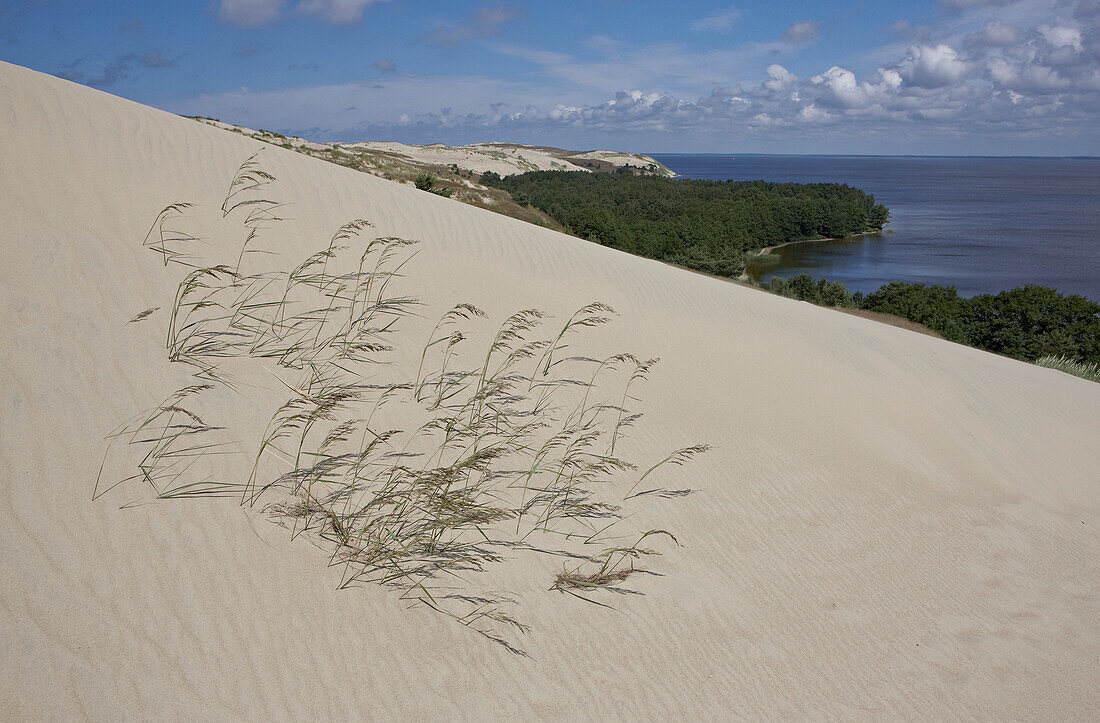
[{"x": 982, "y": 225}]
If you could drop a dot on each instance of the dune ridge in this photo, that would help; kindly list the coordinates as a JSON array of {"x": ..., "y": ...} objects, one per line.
[
  {"x": 887, "y": 525},
  {"x": 499, "y": 157}
]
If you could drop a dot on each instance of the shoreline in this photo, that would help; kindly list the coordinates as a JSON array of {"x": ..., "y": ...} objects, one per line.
[
  {"x": 768, "y": 249},
  {"x": 876, "y": 316}
]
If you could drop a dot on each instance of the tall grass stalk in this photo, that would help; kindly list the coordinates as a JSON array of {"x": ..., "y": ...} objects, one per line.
[{"x": 413, "y": 483}]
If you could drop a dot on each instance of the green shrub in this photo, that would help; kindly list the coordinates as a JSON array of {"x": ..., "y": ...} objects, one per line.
[
  {"x": 765, "y": 259},
  {"x": 1028, "y": 322},
  {"x": 426, "y": 182},
  {"x": 803, "y": 287}
]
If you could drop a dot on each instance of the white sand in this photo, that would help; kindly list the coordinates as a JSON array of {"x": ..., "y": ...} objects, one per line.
[
  {"x": 617, "y": 157},
  {"x": 889, "y": 525},
  {"x": 499, "y": 157},
  {"x": 504, "y": 159}
]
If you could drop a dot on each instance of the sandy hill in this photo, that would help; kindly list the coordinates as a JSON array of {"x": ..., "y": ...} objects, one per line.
[
  {"x": 499, "y": 157},
  {"x": 510, "y": 158},
  {"x": 455, "y": 171},
  {"x": 887, "y": 524}
]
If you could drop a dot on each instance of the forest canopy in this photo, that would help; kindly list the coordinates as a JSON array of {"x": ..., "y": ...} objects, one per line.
[
  {"x": 704, "y": 225},
  {"x": 1028, "y": 322}
]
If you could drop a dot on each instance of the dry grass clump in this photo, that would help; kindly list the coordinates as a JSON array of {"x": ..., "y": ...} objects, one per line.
[
  {"x": 1077, "y": 368},
  {"x": 576, "y": 579},
  {"x": 612, "y": 570},
  {"x": 490, "y": 452}
]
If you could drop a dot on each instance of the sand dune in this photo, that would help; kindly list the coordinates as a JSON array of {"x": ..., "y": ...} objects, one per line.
[
  {"x": 888, "y": 525},
  {"x": 504, "y": 158},
  {"x": 499, "y": 157}
]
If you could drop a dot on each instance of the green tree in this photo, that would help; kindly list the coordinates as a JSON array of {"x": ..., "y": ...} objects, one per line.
[
  {"x": 705, "y": 225},
  {"x": 937, "y": 307}
]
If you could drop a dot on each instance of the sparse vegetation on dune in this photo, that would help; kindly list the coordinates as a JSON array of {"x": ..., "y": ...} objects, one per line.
[
  {"x": 1085, "y": 370},
  {"x": 426, "y": 182},
  {"x": 509, "y": 448},
  {"x": 448, "y": 179}
]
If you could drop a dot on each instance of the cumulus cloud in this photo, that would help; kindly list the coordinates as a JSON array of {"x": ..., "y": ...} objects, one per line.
[
  {"x": 484, "y": 22},
  {"x": 936, "y": 66},
  {"x": 1061, "y": 36},
  {"x": 249, "y": 13},
  {"x": 835, "y": 103},
  {"x": 719, "y": 21},
  {"x": 986, "y": 72},
  {"x": 339, "y": 12},
  {"x": 812, "y": 114},
  {"x": 841, "y": 89},
  {"x": 1058, "y": 59},
  {"x": 801, "y": 32},
  {"x": 779, "y": 79}
]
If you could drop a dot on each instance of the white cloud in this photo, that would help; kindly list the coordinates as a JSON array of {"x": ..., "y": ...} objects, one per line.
[
  {"x": 339, "y": 12},
  {"x": 719, "y": 21},
  {"x": 347, "y": 106},
  {"x": 1061, "y": 36},
  {"x": 484, "y": 22},
  {"x": 842, "y": 88},
  {"x": 812, "y": 114},
  {"x": 672, "y": 67},
  {"x": 779, "y": 78},
  {"x": 933, "y": 66},
  {"x": 1002, "y": 72},
  {"x": 801, "y": 32},
  {"x": 254, "y": 13},
  {"x": 1026, "y": 69},
  {"x": 890, "y": 78},
  {"x": 249, "y": 13},
  {"x": 1041, "y": 78}
]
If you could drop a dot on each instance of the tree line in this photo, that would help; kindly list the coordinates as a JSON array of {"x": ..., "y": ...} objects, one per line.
[
  {"x": 1027, "y": 322},
  {"x": 704, "y": 225}
]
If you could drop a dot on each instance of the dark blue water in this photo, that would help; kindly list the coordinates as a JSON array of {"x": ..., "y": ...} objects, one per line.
[{"x": 982, "y": 225}]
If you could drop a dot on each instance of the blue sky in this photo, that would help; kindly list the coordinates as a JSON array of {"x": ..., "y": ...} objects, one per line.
[{"x": 995, "y": 77}]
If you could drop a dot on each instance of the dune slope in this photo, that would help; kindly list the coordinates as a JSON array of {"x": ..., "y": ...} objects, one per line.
[{"x": 887, "y": 525}]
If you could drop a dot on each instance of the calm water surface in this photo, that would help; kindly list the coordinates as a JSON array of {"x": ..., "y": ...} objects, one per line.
[{"x": 982, "y": 225}]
